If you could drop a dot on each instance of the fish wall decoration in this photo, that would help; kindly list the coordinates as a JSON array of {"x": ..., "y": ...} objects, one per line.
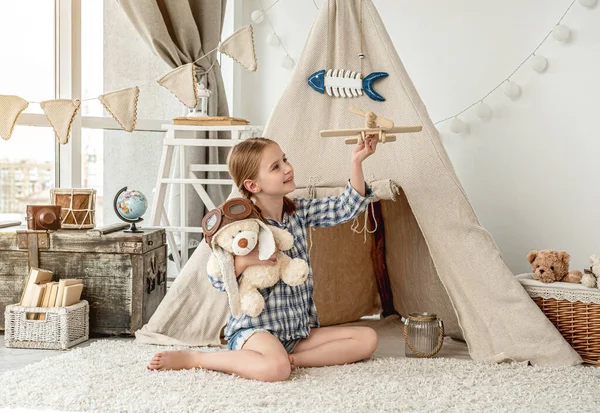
[{"x": 345, "y": 83}]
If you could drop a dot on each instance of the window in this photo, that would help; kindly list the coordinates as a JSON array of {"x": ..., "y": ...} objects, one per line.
[
  {"x": 26, "y": 176},
  {"x": 27, "y": 160},
  {"x": 42, "y": 65},
  {"x": 92, "y": 85}
]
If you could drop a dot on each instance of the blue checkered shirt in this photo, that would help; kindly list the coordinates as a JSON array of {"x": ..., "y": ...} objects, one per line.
[{"x": 290, "y": 312}]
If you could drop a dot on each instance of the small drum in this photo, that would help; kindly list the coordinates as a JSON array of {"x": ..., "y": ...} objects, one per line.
[{"x": 78, "y": 207}]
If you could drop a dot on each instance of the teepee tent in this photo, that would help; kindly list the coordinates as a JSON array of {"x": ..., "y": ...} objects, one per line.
[{"x": 424, "y": 249}]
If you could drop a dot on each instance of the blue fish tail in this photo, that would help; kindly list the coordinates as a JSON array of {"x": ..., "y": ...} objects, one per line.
[{"x": 367, "y": 85}]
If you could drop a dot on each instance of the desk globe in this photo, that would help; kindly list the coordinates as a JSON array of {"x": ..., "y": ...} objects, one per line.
[{"x": 129, "y": 206}]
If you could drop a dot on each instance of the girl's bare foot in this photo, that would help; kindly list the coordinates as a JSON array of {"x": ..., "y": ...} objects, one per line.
[
  {"x": 175, "y": 360},
  {"x": 292, "y": 364}
]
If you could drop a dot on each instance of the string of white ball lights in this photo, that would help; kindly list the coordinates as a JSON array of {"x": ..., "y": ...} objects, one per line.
[
  {"x": 512, "y": 90},
  {"x": 273, "y": 39}
]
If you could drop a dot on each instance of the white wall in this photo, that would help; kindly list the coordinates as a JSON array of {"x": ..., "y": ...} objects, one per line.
[{"x": 532, "y": 171}]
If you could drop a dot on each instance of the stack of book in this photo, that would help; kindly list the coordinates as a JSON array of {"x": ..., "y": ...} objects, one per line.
[{"x": 41, "y": 291}]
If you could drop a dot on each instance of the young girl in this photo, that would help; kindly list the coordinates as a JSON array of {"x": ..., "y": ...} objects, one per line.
[{"x": 286, "y": 334}]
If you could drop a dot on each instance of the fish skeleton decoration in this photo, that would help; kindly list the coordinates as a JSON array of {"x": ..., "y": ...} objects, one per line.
[{"x": 345, "y": 83}]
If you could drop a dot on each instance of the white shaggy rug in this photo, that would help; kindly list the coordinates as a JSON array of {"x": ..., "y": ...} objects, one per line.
[{"x": 111, "y": 376}]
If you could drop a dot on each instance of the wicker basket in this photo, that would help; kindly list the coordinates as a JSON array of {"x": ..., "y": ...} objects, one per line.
[
  {"x": 63, "y": 327},
  {"x": 573, "y": 309}
]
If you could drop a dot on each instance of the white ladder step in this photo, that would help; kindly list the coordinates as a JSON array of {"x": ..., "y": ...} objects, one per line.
[
  {"x": 196, "y": 181},
  {"x": 201, "y": 142},
  {"x": 208, "y": 168}
]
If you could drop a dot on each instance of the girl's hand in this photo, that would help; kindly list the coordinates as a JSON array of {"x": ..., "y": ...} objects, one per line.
[
  {"x": 365, "y": 149},
  {"x": 241, "y": 262},
  {"x": 252, "y": 258}
]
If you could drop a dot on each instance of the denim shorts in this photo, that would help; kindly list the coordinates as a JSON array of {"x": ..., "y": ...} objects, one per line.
[{"x": 241, "y": 336}]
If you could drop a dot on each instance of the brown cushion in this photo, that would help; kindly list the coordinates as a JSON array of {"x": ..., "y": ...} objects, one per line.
[{"x": 345, "y": 287}]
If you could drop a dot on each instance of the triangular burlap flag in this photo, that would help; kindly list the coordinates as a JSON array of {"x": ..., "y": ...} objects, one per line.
[
  {"x": 182, "y": 83},
  {"x": 10, "y": 109},
  {"x": 240, "y": 47},
  {"x": 122, "y": 105},
  {"x": 61, "y": 113}
]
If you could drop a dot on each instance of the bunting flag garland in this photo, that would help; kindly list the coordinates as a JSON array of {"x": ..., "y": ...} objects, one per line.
[
  {"x": 10, "y": 109},
  {"x": 122, "y": 105},
  {"x": 240, "y": 47},
  {"x": 182, "y": 83},
  {"x": 61, "y": 113}
]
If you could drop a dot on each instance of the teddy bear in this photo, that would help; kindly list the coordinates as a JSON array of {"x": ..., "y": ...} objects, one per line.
[
  {"x": 239, "y": 233},
  {"x": 550, "y": 266},
  {"x": 594, "y": 271}
]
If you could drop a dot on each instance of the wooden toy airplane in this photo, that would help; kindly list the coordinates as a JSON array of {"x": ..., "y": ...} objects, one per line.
[{"x": 371, "y": 129}]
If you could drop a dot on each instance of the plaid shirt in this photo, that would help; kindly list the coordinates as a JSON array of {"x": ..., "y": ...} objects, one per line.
[{"x": 290, "y": 311}]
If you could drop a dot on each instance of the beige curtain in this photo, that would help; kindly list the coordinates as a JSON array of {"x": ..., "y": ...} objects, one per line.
[{"x": 181, "y": 31}]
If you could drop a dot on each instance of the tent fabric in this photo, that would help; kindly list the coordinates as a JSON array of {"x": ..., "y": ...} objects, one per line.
[
  {"x": 498, "y": 319},
  {"x": 438, "y": 256}
]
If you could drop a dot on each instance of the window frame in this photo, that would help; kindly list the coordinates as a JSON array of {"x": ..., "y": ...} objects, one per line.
[{"x": 67, "y": 80}]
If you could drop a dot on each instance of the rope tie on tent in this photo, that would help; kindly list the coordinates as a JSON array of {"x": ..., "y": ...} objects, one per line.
[
  {"x": 365, "y": 229},
  {"x": 313, "y": 181}
]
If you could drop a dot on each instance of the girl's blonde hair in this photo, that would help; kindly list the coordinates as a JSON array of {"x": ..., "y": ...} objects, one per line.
[{"x": 243, "y": 162}]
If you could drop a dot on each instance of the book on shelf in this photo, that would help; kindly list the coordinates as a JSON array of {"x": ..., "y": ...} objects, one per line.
[
  {"x": 35, "y": 299},
  {"x": 50, "y": 287},
  {"x": 47, "y": 293},
  {"x": 41, "y": 291},
  {"x": 61, "y": 290},
  {"x": 35, "y": 276},
  {"x": 72, "y": 294},
  {"x": 53, "y": 294}
]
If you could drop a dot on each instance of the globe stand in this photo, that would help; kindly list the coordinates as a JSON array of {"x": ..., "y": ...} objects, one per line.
[
  {"x": 133, "y": 228},
  {"x": 132, "y": 222}
]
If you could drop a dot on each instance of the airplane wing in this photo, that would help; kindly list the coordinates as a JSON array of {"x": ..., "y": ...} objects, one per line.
[{"x": 368, "y": 131}]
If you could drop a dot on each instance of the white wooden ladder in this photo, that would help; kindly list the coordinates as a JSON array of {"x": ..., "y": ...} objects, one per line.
[{"x": 180, "y": 137}]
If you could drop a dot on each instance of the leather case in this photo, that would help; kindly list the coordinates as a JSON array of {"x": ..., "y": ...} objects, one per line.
[{"x": 43, "y": 217}]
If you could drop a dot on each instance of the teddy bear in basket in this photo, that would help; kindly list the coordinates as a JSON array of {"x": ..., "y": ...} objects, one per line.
[
  {"x": 594, "y": 270},
  {"x": 235, "y": 228},
  {"x": 550, "y": 266}
]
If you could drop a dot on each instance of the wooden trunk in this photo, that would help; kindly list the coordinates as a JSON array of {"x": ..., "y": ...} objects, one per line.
[{"x": 124, "y": 274}]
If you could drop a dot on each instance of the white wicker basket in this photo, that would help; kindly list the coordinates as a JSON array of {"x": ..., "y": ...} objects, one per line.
[{"x": 63, "y": 327}]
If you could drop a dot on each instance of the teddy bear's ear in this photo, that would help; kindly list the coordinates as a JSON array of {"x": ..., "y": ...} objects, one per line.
[
  {"x": 564, "y": 256},
  {"x": 266, "y": 241},
  {"x": 283, "y": 239},
  {"x": 531, "y": 256},
  {"x": 226, "y": 263}
]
